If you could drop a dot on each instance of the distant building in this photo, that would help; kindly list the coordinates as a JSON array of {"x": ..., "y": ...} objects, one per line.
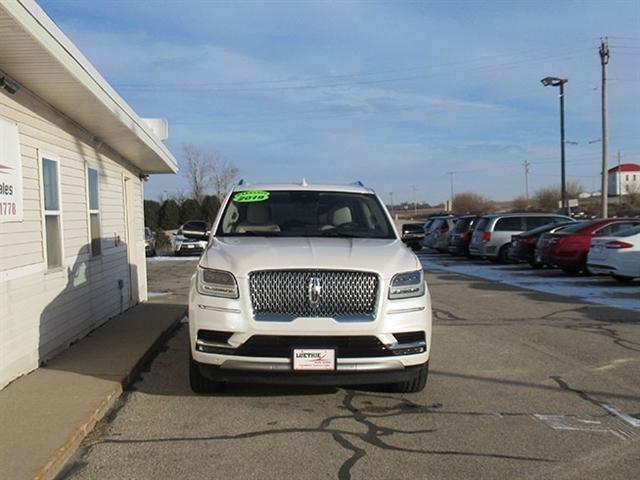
[
  {"x": 73, "y": 159},
  {"x": 624, "y": 178}
]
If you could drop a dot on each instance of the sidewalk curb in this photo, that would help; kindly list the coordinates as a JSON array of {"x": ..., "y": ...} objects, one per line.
[{"x": 58, "y": 460}]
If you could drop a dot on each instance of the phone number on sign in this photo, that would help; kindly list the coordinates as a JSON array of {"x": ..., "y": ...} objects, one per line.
[{"x": 8, "y": 208}]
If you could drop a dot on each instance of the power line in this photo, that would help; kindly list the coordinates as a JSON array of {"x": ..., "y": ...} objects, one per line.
[{"x": 300, "y": 85}]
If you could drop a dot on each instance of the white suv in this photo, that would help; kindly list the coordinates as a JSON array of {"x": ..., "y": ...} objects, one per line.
[{"x": 308, "y": 284}]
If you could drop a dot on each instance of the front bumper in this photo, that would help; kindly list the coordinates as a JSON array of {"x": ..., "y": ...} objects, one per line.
[
  {"x": 600, "y": 269},
  {"x": 190, "y": 247},
  {"x": 482, "y": 250},
  {"x": 288, "y": 377},
  {"x": 243, "y": 348}
]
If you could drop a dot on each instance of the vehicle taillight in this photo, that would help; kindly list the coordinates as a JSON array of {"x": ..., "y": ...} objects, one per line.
[
  {"x": 530, "y": 240},
  {"x": 464, "y": 236},
  {"x": 444, "y": 229},
  {"x": 618, "y": 244},
  {"x": 486, "y": 236}
]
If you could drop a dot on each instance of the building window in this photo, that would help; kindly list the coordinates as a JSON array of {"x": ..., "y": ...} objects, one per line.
[
  {"x": 52, "y": 227},
  {"x": 627, "y": 177},
  {"x": 94, "y": 211}
]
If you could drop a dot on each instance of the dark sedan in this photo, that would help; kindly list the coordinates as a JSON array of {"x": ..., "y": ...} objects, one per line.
[{"x": 523, "y": 245}]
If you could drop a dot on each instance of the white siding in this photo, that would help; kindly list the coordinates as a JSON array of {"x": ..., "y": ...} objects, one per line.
[{"x": 41, "y": 312}]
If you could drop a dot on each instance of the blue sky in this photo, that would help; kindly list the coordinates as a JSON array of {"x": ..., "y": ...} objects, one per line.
[{"x": 391, "y": 93}]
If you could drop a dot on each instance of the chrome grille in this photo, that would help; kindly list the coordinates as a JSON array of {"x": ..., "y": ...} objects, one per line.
[{"x": 287, "y": 294}]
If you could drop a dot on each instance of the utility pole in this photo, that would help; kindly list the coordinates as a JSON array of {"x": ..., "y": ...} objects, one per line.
[
  {"x": 415, "y": 202},
  {"x": 604, "y": 61},
  {"x": 391, "y": 198},
  {"x": 451, "y": 174},
  {"x": 527, "y": 170}
]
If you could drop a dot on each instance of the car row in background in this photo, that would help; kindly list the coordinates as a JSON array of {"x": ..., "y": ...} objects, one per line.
[
  {"x": 602, "y": 246},
  {"x": 149, "y": 242}
]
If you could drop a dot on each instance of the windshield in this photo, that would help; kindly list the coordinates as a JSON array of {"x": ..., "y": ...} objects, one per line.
[
  {"x": 463, "y": 224},
  {"x": 547, "y": 228},
  {"x": 304, "y": 214},
  {"x": 482, "y": 224},
  {"x": 577, "y": 227}
]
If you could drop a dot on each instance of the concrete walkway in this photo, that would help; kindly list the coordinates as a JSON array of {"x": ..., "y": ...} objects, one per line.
[{"x": 45, "y": 415}]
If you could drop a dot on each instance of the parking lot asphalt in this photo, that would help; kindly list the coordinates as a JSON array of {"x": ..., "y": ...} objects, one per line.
[{"x": 523, "y": 384}]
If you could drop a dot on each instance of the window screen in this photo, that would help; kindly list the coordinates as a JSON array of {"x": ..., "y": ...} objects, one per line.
[{"x": 51, "y": 200}]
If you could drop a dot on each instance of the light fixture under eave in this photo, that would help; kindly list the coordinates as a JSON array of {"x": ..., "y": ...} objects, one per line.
[{"x": 8, "y": 85}]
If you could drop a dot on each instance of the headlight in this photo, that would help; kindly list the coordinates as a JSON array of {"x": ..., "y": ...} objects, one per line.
[
  {"x": 407, "y": 285},
  {"x": 216, "y": 283}
]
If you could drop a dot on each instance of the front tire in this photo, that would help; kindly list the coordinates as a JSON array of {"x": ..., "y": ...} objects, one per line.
[
  {"x": 199, "y": 383},
  {"x": 416, "y": 384}
]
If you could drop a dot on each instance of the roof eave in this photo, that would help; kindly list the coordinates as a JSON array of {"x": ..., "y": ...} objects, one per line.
[{"x": 98, "y": 109}]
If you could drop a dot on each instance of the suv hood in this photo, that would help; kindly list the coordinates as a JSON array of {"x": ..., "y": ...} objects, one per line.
[{"x": 243, "y": 255}]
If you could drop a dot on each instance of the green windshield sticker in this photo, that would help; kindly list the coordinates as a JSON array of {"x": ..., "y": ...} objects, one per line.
[{"x": 256, "y": 196}]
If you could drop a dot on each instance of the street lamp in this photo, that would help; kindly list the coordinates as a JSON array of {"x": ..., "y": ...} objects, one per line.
[{"x": 559, "y": 82}]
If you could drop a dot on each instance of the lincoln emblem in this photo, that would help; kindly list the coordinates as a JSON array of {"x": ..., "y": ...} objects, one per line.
[{"x": 315, "y": 288}]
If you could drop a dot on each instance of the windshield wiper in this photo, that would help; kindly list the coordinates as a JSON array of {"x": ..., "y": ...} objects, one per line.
[
  {"x": 336, "y": 233},
  {"x": 253, "y": 234}
]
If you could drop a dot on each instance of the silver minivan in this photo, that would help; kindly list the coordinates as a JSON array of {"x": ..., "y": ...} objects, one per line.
[{"x": 492, "y": 235}]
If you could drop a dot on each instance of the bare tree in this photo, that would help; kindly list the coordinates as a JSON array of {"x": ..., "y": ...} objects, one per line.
[
  {"x": 520, "y": 204},
  {"x": 574, "y": 189},
  {"x": 199, "y": 170},
  {"x": 548, "y": 198},
  {"x": 206, "y": 170},
  {"x": 224, "y": 176},
  {"x": 471, "y": 203}
]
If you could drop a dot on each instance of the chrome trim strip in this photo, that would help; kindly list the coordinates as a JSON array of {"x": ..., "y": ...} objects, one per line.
[
  {"x": 219, "y": 309},
  {"x": 279, "y": 317},
  {"x": 237, "y": 364},
  {"x": 405, "y": 310},
  {"x": 204, "y": 343},
  {"x": 402, "y": 346}
]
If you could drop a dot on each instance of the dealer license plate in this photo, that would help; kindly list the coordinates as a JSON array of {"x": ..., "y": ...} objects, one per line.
[{"x": 314, "y": 359}]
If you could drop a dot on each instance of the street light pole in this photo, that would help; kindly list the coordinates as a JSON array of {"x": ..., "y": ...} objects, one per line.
[
  {"x": 563, "y": 188},
  {"x": 559, "y": 82}
]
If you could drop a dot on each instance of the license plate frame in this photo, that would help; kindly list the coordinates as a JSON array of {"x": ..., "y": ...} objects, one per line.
[{"x": 321, "y": 359}]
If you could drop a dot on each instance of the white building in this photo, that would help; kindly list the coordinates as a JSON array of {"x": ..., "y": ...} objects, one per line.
[
  {"x": 624, "y": 178},
  {"x": 72, "y": 158}
]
